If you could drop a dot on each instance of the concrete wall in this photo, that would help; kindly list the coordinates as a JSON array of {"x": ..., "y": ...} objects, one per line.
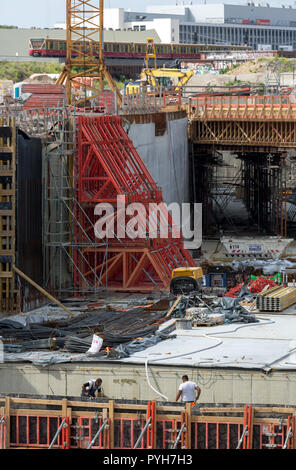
[
  {"x": 166, "y": 156},
  {"x": 166, "y": 28},
  {"x": 114, "y": 18},
  {"x": 127, "y": 381}
]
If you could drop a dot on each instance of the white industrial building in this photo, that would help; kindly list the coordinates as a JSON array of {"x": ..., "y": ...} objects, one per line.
[{"x": 259, "y": 26}]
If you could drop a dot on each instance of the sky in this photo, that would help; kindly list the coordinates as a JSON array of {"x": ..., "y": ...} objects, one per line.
[{"x": 46, "y": 13}]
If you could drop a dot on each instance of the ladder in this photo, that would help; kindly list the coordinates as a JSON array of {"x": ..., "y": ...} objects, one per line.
[{"x": 9, "y": 295}]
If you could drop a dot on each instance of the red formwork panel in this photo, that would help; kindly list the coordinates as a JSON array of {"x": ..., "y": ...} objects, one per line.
[
  {"x": 84, "y": 429},
  {"x": 37, "y": 431},
  {"x": 108, "y": 166},
  {"x": 216, "y": 435},
  {"x": 34, "y": 431}
]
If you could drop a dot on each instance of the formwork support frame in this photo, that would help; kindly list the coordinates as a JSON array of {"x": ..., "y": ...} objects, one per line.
[
  {"x": 151, "y": 433},
  {"x": 19, "y": 412}
]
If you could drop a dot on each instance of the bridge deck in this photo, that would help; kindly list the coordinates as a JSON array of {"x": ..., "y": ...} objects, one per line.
[{"x": 265, "y": 121}]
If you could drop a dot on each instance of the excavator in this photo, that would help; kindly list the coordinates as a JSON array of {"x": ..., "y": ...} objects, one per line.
[
  {"x": 162, "y": 78},
  {"x": 156, "y": 79}
]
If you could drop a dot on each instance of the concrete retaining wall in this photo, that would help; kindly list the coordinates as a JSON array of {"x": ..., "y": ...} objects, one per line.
[
  {"x": 126, "y": 381},
  {"x": 166, "y": 155}
]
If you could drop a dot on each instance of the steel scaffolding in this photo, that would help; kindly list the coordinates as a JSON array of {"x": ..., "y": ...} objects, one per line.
[{"x": 62, "y": 211}]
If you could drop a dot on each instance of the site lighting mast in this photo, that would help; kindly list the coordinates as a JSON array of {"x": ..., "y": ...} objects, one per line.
[{"x": 85, "y": 50}]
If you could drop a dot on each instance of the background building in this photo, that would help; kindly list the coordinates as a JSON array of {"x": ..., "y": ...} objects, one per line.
[{"x": 259, "y": 26}]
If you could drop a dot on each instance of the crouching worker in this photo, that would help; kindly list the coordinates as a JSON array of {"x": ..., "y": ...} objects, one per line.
[{"x": 90, "y": 388}]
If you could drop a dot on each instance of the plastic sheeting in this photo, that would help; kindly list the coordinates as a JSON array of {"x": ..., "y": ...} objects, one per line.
[
  {"x": 233, "y": 311},
  {"x": 123, "y": 351},
  {"x": 268, "y": 267}
]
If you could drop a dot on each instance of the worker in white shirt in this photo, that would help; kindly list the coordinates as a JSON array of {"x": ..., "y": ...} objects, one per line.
[{"x": 187, "y": 391}]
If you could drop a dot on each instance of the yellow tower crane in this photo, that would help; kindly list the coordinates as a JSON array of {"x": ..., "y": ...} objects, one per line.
[{"x": 85, "y": 50}]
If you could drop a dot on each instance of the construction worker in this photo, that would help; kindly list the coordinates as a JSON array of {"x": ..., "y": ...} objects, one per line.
[
  {"x": 90, "y": 388},
  {"x": 187, "y": 391}
]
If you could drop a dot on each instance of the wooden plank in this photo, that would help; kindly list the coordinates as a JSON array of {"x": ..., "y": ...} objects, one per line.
[
  {"x": 44, "y": 292},
  {"x": 32, "y": 401},
  {"x": 5, "y": 275},
  {"x": 111, "y": 423},
  {"x": 188, "y": 425},
  {"x": 4, "y": 233},
  {"x": 222, "y": 410},
  {"x": 64, "y": 407},
  {"x": 7, "y": 415},
  {"x": 69, "y": 415},
  {"x": 26, "y": 412},
  {"x": 6, "y": 192},
  {"x": 87, "y": 404},
  {"x": 251, "y": 428},
  {"x": 173, "y": 307}
]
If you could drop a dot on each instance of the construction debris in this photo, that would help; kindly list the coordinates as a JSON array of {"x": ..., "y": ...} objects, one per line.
[{"x": 218, "y": 310}]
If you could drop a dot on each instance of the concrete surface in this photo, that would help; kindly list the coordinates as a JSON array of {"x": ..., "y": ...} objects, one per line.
[{"x": 165, "y": 156}]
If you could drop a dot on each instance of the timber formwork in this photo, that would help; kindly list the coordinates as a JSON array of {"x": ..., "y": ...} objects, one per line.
[
  {"x": 32, "y": 423},
  {"x": 267, "y": 122},
  {"x": 9, "y": 295}
]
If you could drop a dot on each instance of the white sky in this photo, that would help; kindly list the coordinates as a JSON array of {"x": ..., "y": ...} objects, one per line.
[{"x": 45, "y": 13}]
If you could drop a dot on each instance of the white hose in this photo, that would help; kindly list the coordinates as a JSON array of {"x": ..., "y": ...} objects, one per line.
[{"x": 220, "y": 341}]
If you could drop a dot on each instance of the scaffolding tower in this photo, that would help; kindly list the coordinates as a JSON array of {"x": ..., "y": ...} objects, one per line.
[{"x": 62, "y": 211}]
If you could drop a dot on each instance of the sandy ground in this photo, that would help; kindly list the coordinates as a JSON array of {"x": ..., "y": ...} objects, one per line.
[
  {"x": 253, "y": 72},
  {"x": 209, "y": 79}
]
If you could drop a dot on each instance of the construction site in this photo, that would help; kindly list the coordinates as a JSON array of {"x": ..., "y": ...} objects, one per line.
[{"x": 147, "y": 234}]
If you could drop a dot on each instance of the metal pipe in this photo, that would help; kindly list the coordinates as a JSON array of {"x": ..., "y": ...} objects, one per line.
[
  {"x": 57, "y": 433},
  {"x": 2, "y": 422},
  {"x": 179, "y": 436},
  {"x": 98, "y": 433},
  {"x": 287, "y": 437},
  {"x": 142, "y": 433},
  {"x": 242, "y": 437}
]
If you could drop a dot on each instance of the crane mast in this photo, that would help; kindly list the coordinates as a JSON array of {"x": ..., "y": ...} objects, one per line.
[{"x": 85, "y": 50}]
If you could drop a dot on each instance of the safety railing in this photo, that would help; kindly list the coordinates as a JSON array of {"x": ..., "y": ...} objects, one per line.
[
  {"x": 243, "y": 107},
  {"x": 143, "y": 101}
]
